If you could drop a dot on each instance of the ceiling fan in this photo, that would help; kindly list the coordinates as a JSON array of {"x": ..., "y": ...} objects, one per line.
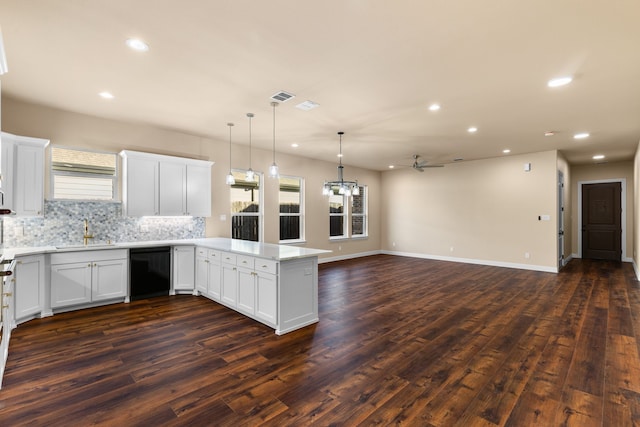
[{"x": 419, "y": 165}]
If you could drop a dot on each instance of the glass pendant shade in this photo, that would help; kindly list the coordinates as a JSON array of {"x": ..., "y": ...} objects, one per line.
[
  {"x": 230, "y": 179},
  {"x": 273, "y": 170}
]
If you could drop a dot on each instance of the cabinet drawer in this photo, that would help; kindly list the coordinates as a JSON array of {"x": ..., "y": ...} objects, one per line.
[
  {"x": 88, "y": 255},
  {"x": 228, "y": 258},
  {"x": 245, "y": 261},
  {"x": 201, "y": 252},
  {"x": 214, "y": 256},
  {"x": 266, "y": 266}
]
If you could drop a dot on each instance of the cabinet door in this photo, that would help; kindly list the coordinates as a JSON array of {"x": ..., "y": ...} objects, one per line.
[
  {"x": 202, "y": 274},
  {"x": 184, "y": 268},
  {"x": 70, "y": 284},
  {"x": 267, "y": 297},
  {"x": 173, "y": 188},
  {"x": 109, "y": 279},
  {"x": 229, "y": 291},
  {"x": 29, "y": 275},
  {"x": 246, "y": 291},
  {"x": 140, "y": 188},
  {"x": 198, "y": 190},
  {"x": 6, "y": 173},
  {"x": 29, "y": 180},
  {"x": 214, "y": 280}
]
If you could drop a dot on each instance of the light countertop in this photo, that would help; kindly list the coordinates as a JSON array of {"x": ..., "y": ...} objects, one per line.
[{"x": 243, "y": 247}]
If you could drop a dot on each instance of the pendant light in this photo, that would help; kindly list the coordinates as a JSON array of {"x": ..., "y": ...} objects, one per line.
[
  {"x": 345, "y": 187},
  {"x": 230, "y": 179},
  {"x": 250, "y": 173},
  {"x": 273, "y": 169}
]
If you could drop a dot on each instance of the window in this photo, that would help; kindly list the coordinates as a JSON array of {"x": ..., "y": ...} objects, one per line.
[
  {"x": 359, "y": 213},
  {"x": 246, "y": 211},
  {"x": 291, "y": 209},
  {"x": 339, "y": 216},
  {"x": 83, "y": 175}
]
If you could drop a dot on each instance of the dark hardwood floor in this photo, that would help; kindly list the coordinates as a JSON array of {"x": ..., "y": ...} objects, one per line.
[{"x": 401, "y": 341}]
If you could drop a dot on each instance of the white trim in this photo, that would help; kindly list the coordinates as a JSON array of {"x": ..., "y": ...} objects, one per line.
[
  {"x": 443, "y": 258},
  {"x": 623, "y": 216},
  {"x": 349, "y": 256}
]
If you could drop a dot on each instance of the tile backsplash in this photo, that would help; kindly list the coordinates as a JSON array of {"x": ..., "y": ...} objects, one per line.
[{"x": 63, "y": 224}]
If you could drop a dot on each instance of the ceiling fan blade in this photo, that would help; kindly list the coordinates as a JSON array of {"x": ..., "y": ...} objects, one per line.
[
  {"x": 419, "y": 169},
  {"x": 432, "y": 166}
]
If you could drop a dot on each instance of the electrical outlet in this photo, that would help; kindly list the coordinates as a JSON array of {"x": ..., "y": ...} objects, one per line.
[
  {"x": 451, "y": 249},
  {"x": 527, "y": 255}
]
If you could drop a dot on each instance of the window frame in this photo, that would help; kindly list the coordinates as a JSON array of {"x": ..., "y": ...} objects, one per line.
[
  {"x": 115, "y": 178},
  {"x": 348, "y": 216},
  {"x": 259, "y": 214},
  {"x": 343, "y": 214},
  {"x": 300, "y": 214},
  {"x": 364, "y": 193}
]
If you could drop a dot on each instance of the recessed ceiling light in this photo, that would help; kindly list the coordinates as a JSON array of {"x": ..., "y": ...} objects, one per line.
[
  {"x": 137, "y": 44},
  {"x": 106, "y": 95},
  {"x": 434, "y": 107},
  {"x": 582, "y": 135},
  {"x": 506, "y": 151},
  {"x": 598, "y": 157},
  {"x": 294, "y": 145},
  {"x": 549, "y": 133},
  {"x": 472, "y": 129},
  {"x": 560, "y": 81},
  {"x": 391, "y": 166}
]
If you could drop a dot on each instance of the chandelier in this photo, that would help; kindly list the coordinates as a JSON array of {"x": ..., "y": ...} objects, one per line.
[{"x": 341, "y": 186}]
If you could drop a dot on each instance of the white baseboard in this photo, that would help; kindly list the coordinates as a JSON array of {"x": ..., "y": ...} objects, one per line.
[
  {"x": 349, "y": 256},
  {"x": 492, "y": 263}
]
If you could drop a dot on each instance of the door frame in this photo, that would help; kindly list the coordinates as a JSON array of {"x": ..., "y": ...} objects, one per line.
[
  {"x": 623, "y": 214},
  {"x": 561, "y": 202}
]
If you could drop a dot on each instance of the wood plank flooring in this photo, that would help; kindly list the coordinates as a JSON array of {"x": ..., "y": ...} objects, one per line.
[{"x": 401, "y": 341}]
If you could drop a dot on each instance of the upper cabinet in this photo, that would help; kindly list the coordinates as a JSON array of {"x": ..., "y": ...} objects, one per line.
[
  {"x": 154, "y": 184},
  {"x": 22, "y": 170}
]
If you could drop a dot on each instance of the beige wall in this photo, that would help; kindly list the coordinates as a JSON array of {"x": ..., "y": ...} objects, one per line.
[
  {"x": 484, "y": 210},
  {"x": 600, "y": 172},
  {"x": 78, "y": 130}
]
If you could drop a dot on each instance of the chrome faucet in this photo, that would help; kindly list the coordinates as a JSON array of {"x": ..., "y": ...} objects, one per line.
[{"x": 86, "y": 236}]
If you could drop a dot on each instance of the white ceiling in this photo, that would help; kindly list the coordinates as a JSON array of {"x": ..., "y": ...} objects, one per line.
[{"x": 374, "y": 66}]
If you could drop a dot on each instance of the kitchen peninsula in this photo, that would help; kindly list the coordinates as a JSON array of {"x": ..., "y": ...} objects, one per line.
[{"x": 274, "y": 284}]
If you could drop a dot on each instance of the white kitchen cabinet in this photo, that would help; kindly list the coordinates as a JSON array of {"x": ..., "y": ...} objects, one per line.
[
  {"x": 109, "y": 279},
  {"x": 173, "y": 188},
  {"x": 183, "y": 269},
  {"x": 246, "y": 291},
  {"x": 229, "y": 280},
  {"x": 6, "y": 172},
  {"x": 140, "y": 186},
  {"x": 208, "y": 271},
  {"x": 6, "y": 311},
  {"x": 155, "y": 184},
  {"x": 23, "y": 181},
  {"x": 29, "y": 290},
  {"x": 88, "y": 276},
  {"x": 267, "y": 295},
  {"x": 198, "y": 190}
]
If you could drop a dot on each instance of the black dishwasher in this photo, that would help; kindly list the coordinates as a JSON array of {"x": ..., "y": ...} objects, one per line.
[{"x": 149, "y": 272}]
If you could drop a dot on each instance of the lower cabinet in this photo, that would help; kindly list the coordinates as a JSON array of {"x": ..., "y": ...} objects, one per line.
[
  {"x": 29, "y": 287},
  {"x": 85, "y": 277},
  {"x": 208, "y": 271},
  {"x": 183, "y": 269},
  {"x": 245, "y": 283}
]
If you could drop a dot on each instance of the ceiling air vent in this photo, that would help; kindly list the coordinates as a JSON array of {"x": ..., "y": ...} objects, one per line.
[{"x": 282, "y": 96}]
